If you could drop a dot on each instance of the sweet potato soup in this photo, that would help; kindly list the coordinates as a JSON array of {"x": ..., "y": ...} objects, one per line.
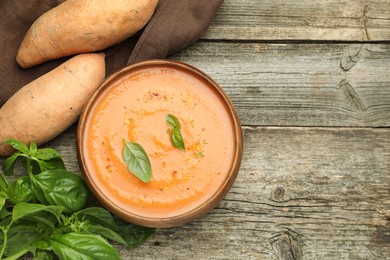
[{"x": 135, "y": 108}]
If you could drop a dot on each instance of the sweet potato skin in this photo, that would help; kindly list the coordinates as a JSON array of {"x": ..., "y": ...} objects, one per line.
[
  {"x": 80, "y": 26},
  {"x": 47, "y": 106}
]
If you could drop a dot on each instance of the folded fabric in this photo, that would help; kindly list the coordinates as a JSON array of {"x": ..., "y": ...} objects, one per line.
[{"x": 175, "y": 25}]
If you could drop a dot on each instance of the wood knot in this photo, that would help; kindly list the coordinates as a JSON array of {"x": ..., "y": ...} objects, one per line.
[
  {"x": 286, "y": 247},
  {"x": 278, "y": 194}
]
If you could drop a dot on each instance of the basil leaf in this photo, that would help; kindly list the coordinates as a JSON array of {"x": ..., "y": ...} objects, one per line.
[
  {"x": 176, "y": 137},
  {"x": 24, "y": 209},
  {"x": 106, "y": 232},
  {"x": 20, "y": 190},
  {"x": 82, "y": 246},
  {"x": 3, "y": 190},
  {"x": 133, "y": 235},
  {"x": 61, "y": 188},
  {"x": 42, "y": 244},
  {"x": 33, "y": 149},
  {"x": 172, "y": 121},
  {"x": 177, "y": 140},
  {"x": 137, "y": 161},
  {"x": 46, "y": 154},
  {"x": 42, "y": 255},
  {"x": 28, "y": 232},
  {"x": 3, "y": 183},
  {"x": 51, "y": 164},
  {"x": 48, "y": 159},
  {"x": 103, "y": 223},
  {"x": 9, "y": 163},
  {"x": 18, "y": 145},
  {"x": 98, "y": 215},
  {"x": 43, "y": 221},
  {"x": 21, "y": 237},
  {"x": 4, "y": 213}
]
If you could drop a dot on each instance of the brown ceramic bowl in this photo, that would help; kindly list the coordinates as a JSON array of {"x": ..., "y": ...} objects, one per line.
[{"x": 132, "y": 105}]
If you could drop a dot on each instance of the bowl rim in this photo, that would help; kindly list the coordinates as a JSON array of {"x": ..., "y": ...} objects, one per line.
[{"x": 194, "y": 213}]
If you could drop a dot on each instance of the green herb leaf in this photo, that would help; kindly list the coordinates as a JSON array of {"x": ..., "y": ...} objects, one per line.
[
  {"x": 42, "y": 244},
  {"x": 61, "y": 188},
  {"x": 18, "y": 145},
  {"x": 38, "y": 228},
  {"x": 97, "y": 215},
  {"x": 82, "y": 246},
  {"x": 51, "y": 164},
  {"x": 42, "y": 255},
  {"x": 33, "y": 149},
  {"x": 46, "y": 154},
  {"x": 137, "y": 161},
  {"x": 20, "y": 190},
  {"x": 172, "y": 121},
  {"x": 4, "y": 213},
  {"x": 102, "y": 222},
  {"x": 106, "y": 232},
  {"x": 48, "y": 159},
  {"x": 9, "y": 163},
  {"x": 21, "y": 236},
  {"x": 177, "y": 139},
  {"x": 133, "y": 235},
  {"x": 175, "y": 131},
  {"x": 3, "y": 190},
  {"x": 23, "y": 209}
]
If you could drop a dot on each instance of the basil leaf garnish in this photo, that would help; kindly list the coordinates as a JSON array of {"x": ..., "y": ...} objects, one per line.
[
  {"x": 177, "y": 139},
  {"x": 175, "y": 132},
  {"x": 173, "y": 122},
  {"x": 137, "y": 161}
]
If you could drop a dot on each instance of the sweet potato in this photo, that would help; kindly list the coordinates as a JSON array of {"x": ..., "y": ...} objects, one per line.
[
  {"x": 47, "y": 106},
  {"x": 80, "y": 26}
]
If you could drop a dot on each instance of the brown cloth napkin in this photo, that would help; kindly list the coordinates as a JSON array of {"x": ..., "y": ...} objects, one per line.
[{"x": 175, "y": 25}]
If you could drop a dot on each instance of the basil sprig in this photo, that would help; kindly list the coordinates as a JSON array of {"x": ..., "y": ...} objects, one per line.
[
  {"x": 137, "y": 161},
  {"x": 175, "y": 132},
  {"x": 45, "y": 213}
]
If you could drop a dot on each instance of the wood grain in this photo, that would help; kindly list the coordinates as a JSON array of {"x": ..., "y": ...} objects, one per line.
[
  {"x": 300, "y": 84},
  {"x": 311, "y": 83},
  {"x": 309, "y": 20},
  {"x": 320, "y": 193},
  {"x": 301, "y": 193}
]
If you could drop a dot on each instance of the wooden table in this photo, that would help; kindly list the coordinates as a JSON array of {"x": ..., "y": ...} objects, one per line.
[{"x": 311, "y": 82}]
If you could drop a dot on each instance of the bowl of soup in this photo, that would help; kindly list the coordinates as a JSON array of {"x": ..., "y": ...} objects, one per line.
[{"x": 160, "y": 143}]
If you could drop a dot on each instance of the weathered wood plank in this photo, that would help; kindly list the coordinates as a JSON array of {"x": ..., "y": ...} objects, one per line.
[
  {"x": 300, "y": 84},
  {"x": 301, "y": 193},
  {"x": 332, "y": 20}
]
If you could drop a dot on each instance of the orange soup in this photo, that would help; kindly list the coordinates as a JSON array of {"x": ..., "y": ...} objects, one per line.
[{"x": 134, "y": 108}]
